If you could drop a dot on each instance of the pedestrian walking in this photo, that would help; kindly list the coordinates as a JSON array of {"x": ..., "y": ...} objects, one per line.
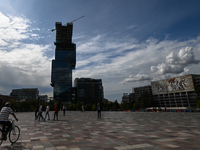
[
  {"x": 83, "y": 110},
  {"x": 99, "y": 110},
  {"x": 64, "y": 108},
  {"x": 56, "y": 112},
  {"x": 47, "y": 112},
  {"x": 40, "y": 113},
  {"x": 36, "y": 111}
]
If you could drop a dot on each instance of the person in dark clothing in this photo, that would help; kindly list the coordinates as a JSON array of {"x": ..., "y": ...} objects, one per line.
[
  {"x": 36, "y": 111},
  {"x": 99, "y": 110}
]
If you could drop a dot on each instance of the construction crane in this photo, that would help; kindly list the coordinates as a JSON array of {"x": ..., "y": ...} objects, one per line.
[{"x": 70, "y": 22}]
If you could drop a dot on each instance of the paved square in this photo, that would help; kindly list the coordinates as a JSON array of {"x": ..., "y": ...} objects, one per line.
[{"x": 114, "y": 131}]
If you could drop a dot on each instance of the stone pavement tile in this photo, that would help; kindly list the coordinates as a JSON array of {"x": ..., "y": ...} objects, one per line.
[
  {"x": 38, "y": 146},
  {"x": 133, "y": 146},
  {"x": 61, "y": 147},
  {"x": 74, "y": 149},
  {"x": 50, "y": 148},
  {"x": 115, "y": 130},
  {"x": 48, "y": 144}
]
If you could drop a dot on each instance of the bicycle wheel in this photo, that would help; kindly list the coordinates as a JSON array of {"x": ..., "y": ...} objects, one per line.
[{"x": 14, "y": 134}]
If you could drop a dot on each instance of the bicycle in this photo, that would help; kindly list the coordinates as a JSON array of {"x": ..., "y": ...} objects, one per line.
[{"x": 13, "y": 134}]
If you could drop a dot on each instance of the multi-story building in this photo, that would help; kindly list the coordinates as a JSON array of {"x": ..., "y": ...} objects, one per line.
[
  {"x": 139, "y": 90},
  {"x": 43, "y": 98},
  {"x": 89, "y": 90},
  {"x": 125, "y": 97},
  {"x": 25, "y": 93},
  {"x": 173, "y": 92},
  {"x": 65, "y": 61},
  {"x": 131, "y": 97},
  {"x": 128, "y": 97},
  {"x": 176, "y": 92}
]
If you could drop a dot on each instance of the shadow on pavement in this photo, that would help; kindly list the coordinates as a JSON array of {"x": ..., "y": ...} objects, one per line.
[{"x": 15, "y": 146}]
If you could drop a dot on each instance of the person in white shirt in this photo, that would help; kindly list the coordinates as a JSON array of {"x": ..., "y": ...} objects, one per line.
[
  {"x": 4, "y": 114},
  {"x": 47, "y": 112},
  {"x": 64, "y": 109},
  {"x": 40, "y": 113}
]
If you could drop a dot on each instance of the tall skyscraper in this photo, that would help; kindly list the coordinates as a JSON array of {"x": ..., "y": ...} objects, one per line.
[{"x": 65, "y": 61}]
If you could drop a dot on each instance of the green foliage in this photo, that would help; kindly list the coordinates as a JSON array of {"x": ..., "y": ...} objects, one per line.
[
  {"x": 32, "y": 108},
  {"x": 72, "y": 107},
  {"x": 24, "y": 106},
  {"x": 145, "y": 100},
  {"x": 197, "y": 90},
  {"x": 13, "y": 105},
  {"x": 116, "y": 105},
  {"x": 79, "y": 105},
  {"x": 88, "y": 107},
  {"x": 198, "y": 103},
  {"x": 125, "y": 105},
  {"x": 59, "y": 103},
  {"x": 108, "y": 105},
  {"x": 94, "y": 107},
  {"x": 135, "y": 106}
]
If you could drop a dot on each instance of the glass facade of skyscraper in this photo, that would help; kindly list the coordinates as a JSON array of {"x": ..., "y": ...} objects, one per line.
[{"x": 65, "y": 61}]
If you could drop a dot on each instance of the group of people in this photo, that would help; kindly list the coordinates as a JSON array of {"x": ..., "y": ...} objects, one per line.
[
  {"x": 6, "y": 111},
  {"x": 39, "y": 110}
]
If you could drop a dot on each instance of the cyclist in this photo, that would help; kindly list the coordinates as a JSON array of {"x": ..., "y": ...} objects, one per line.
[{"x": 4, "y": 114}]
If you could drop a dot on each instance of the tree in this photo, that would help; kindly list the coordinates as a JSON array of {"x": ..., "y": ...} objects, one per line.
[
  {"x": 110, "y": 105},
  {"x": 198, "y": 103},
  {"x": 116, "y": 105},
  {"x": 135, "y": 106},
  {"x": 106, "y": 102},
  {"x": 197, "y": 91},
  {"x": 145, "y": 100},
  {"x": 88, "y": 107},
  {"x": 72, "y": 106},
  {"x": 79, "y": 105},
  {"x": 14, "y": 105},
  {"x": 94, "y": 107},
  {"x": 51, "y": 104},
  {"x": 125, "y": 105}
]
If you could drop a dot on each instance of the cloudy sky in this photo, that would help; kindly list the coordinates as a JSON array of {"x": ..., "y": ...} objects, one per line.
[{"x": 126, "y": 43}]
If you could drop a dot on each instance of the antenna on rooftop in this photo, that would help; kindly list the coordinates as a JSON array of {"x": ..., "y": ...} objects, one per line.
[{"x": 70, "y": 22}]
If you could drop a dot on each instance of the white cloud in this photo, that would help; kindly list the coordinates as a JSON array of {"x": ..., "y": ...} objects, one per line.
[
  {"x": 184, "y": 57},
  {"x": 13, "y": 29},
  {"x": 176, "y": 63},
  {"x": 3, "y": 43},
  {"x": 132, "y": 26},
  {"x": 38, "y": 29},
  {"x": 185, "y": 72},
  {"x": 103, "y": 43},
  {"x": 22, "y": 65},
  {"x": 137, "y": 78},
  {"x": 114, "y": 65},
  {"x": 25, "y": 66}
]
